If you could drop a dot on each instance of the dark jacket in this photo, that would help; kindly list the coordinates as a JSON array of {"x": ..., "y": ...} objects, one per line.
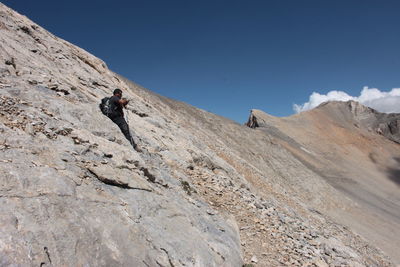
[{"x": 115, "y": 107}]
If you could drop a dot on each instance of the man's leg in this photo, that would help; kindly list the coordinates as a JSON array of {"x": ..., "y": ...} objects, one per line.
[{"x": 120, "y": 121}]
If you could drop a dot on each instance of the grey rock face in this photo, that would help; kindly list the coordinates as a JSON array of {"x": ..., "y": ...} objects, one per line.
[
  {"x": 385, "y": 124},
  {"x": 205, "y": 191},
  {"x": 73, "y": 192}
]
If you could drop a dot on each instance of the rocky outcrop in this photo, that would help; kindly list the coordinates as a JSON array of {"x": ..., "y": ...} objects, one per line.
[
  {"x": 252, "y": 121},
  {"x": 205, "y": 191},
  {"x": 389, "y": 126},
  {"x": 386, "y": 124},
  {"x": 390, "y": 129}
]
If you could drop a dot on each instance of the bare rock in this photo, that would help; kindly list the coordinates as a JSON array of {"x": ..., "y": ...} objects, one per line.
[{"x": 123, "y": 178}]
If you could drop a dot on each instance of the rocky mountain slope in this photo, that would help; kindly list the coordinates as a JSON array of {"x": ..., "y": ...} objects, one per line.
[
  {"x": 355, "y": 149},
  {"x": 205, "y": 191}
]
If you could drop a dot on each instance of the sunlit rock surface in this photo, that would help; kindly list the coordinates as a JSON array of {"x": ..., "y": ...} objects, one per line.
[{"x": 205, "y": 191}]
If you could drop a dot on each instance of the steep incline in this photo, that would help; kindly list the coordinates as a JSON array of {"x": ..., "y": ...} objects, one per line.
[
  {"x": 347, "y": 144},
  {"x": 205, "y": 192},
  {"x": 72, "y": 190}
]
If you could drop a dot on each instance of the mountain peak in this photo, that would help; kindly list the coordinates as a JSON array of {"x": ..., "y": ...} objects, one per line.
[{"x": 354, "y": 107}]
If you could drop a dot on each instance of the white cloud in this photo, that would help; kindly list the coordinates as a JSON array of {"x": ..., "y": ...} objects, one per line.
[{"x": 388, "y": 102}]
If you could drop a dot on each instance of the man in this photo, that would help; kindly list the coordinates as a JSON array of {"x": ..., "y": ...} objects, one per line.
[{"x": 117, "y": 103}]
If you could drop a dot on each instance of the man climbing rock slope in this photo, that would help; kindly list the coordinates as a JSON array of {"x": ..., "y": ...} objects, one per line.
[{"x": 116, "y": 114}]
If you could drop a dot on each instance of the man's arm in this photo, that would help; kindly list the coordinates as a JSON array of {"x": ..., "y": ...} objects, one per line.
[{"x": 123, "y": 102}]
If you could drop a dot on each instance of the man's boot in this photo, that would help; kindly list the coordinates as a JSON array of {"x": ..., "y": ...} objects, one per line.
[{"x": 137, "y": 147}]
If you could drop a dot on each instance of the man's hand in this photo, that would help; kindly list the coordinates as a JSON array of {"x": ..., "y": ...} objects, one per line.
[{"x": 124, "y": 101}]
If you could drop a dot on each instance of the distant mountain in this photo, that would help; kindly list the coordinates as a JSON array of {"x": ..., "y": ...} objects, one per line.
[
  {"x": 315, "y": 189},
  {"x": 356, "y": 150}
]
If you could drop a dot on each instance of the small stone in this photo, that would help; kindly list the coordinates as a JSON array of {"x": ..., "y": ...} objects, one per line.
[
  {"x": 210, "y": 212},
  {"x": 33, "y": 82},
  {"x": 326, "y": 258},
  {"x": 313, "y": 234},
  {"x": 258, "y": 206},
  {"x": 282, "y": 218},
  {"x": 254, "y": 259},
  {"x": 321, "y": 263},
  {"x": 53, "y": 86}
]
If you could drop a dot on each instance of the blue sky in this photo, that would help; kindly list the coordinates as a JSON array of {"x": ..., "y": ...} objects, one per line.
[{"x": 228, "y": 57}]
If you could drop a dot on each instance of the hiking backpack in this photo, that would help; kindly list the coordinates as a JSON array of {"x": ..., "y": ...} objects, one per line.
[{"x": 105, "y": 106}]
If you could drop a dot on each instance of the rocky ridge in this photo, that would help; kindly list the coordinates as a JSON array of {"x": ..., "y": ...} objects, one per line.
[
  {"x": 386, "y": 124},
  {"x": 205, "y": 191}
]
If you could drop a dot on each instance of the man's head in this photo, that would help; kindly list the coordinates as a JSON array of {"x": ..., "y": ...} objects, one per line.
[{"x": 118, "y": 92}]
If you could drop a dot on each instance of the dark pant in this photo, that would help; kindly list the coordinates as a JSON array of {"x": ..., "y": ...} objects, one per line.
[{"x": 120, "y": 121}]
